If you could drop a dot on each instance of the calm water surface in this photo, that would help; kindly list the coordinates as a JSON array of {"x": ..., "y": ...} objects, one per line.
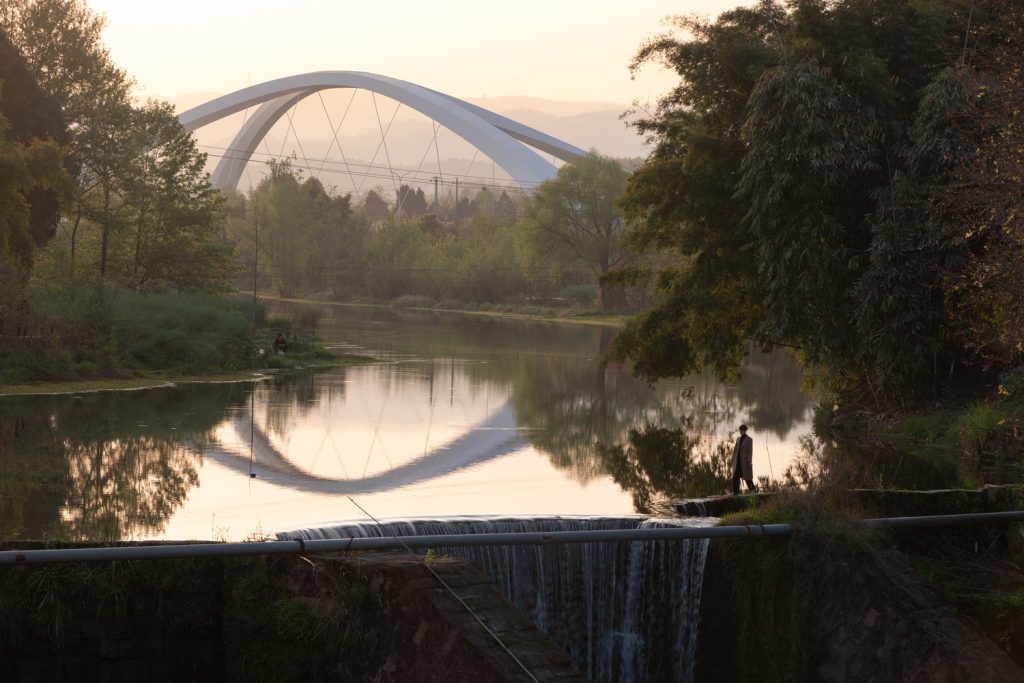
[{"x": 462, "y": 416}]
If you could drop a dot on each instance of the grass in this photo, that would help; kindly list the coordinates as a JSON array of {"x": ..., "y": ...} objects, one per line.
[
  {"x": 958, "y": 436},
  {"x": 83, "y": 386}
]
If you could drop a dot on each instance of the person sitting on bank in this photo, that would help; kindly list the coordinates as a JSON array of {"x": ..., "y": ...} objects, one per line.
[
  {"x": 280, "y": 345},
  {"x": 743, "y": 462}
]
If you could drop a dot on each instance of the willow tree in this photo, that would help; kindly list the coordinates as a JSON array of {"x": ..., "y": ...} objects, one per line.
[{"x": 786, "y": 184}]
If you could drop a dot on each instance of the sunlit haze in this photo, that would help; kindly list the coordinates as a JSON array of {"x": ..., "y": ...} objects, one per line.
[{"x": 575, "y": 50}]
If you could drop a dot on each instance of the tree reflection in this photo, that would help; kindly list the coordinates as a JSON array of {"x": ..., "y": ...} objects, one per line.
[
  {"x": 127, "y": 487},
  {"x": 104, "y": 466},
  {"x": 566, "y": 402},
  {"x": 33, "y": 475},
  {"x": 658, "y": 463},
  {"x": 568, "y": 408}
]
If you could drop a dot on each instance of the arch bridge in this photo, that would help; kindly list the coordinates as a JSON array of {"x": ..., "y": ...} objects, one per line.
[{"x": 510, "y": 144}]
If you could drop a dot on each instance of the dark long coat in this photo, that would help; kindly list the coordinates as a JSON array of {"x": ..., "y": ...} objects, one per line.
[{"x": 743, "y": 451}]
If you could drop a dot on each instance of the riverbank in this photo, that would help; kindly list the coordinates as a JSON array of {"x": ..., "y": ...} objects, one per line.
[
  {"x": 571, "y": 315},
  {"x": 315, "y": 360}
]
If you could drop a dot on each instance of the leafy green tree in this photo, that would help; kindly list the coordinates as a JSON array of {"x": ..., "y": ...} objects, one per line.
[
  {"x": 23, "y": 168},
  {"x": 309, "y": 240},
  {"x": 395, "y": 252},
  {"x": 784, "y": 191},
  {"x": 31, "y": 115},
  {"x": 572, "y": 219},
  {"x": 174, "y": 239},
  {"x": 61, "y": 41},
  {"x": 982, "y": 153}
]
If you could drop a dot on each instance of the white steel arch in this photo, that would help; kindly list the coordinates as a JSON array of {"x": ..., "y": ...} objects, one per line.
[{"x": 500, "y": 138}]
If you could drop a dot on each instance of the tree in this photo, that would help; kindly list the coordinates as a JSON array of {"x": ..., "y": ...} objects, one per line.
[
  {"x": 23, "y": 168},
  {"x": 572, "y": 219},
  {"x": 61, "y": 41},
  {"x": 983, "y": 155},
  {"x": 31, "y": 115},
  {"x": 783, "y": 188},
  {"x": 411, "y": 203},
  {"x": 32, "y": 179},
  {"x": 174, "y": 235},
  {"x": 309, "y": 239},
  {"x": 375, "y": 207}
]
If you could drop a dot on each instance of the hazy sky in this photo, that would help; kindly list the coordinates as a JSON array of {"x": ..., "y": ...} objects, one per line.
[{"x": 557, "y": 49}]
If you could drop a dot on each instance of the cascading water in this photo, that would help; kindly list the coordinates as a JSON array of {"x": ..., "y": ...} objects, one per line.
[{"x": 624, "y": 612}]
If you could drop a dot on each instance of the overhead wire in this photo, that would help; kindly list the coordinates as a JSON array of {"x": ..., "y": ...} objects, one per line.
[
  {"x": 384, "y": 136},
  {"x": 398, "y": 207},
  {"x": 335, "y": 132},
  {"x": 299, "y": 142},
  {"x": 455, "y": 595},
  {"x": 376, "y": 171},
  {"x": 374, "y": 158}
]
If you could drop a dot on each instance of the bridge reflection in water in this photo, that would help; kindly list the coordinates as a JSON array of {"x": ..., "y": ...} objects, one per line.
[{"x": 252, "y": 452}]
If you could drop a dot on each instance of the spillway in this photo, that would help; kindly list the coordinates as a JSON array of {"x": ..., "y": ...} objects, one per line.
[{"x": 625, "y": 612}]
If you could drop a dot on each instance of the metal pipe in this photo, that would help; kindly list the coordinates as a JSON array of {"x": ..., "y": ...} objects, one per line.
[
  {"x": 942, "y": 520},
  {"x": 299, "y": 546}
]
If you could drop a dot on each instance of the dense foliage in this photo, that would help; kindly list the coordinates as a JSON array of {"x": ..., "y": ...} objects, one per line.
[
  {"x": 794, "y": 178},
  {"x": 485, "y": 247},
  {"x": 97, "y": 194}
]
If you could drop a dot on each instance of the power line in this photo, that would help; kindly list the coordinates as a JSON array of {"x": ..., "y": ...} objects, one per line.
[{"x": 487, "y": 181}]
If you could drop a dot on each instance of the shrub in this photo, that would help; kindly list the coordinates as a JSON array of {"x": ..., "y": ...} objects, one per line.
[
  {"x": 579, "y": 295},
  {"x": 192, "y": 333}
]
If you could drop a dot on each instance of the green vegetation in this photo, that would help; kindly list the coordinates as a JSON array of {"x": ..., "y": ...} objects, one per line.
[
  {"x": 267, "y": 625},
  {"x": 271, "y": 636},
  {"x": 101, "y": 333},
  {"x": 813, "y": 186},
  {"x": 102, "y": 201},
  {"x": 486, "y": 249}
]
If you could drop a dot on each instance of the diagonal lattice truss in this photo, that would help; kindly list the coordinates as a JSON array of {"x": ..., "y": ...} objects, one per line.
[{"x": 511, "y": 145}]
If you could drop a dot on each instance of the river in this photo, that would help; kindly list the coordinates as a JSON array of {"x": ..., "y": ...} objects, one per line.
[{"x": 460, "y": 416}]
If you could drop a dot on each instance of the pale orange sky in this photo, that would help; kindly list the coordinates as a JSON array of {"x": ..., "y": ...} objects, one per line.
[{"x": 576, "y": 50}]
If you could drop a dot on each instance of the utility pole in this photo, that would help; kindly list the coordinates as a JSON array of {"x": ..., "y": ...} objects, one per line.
[
  {"x": 456, "y": 201},
  {"x": 436, "y": 203}
]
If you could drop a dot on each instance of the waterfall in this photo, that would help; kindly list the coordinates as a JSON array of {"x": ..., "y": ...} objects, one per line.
[{"x": 624, "y": 612}]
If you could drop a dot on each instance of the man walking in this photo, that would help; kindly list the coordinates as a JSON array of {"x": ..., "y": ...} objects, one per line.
[{"x": 743, "y": 462}]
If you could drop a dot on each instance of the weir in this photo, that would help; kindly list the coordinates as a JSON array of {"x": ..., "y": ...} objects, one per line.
[{"x": 624, "y": 612}]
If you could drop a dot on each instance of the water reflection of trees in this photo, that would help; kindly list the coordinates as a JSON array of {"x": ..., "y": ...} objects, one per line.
[
  {"x": 657, "y": 463},
  {"x": 566, "y": 403},
  {"x": 103, "y": 466},
  {"x": 569, "y": 408}
]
